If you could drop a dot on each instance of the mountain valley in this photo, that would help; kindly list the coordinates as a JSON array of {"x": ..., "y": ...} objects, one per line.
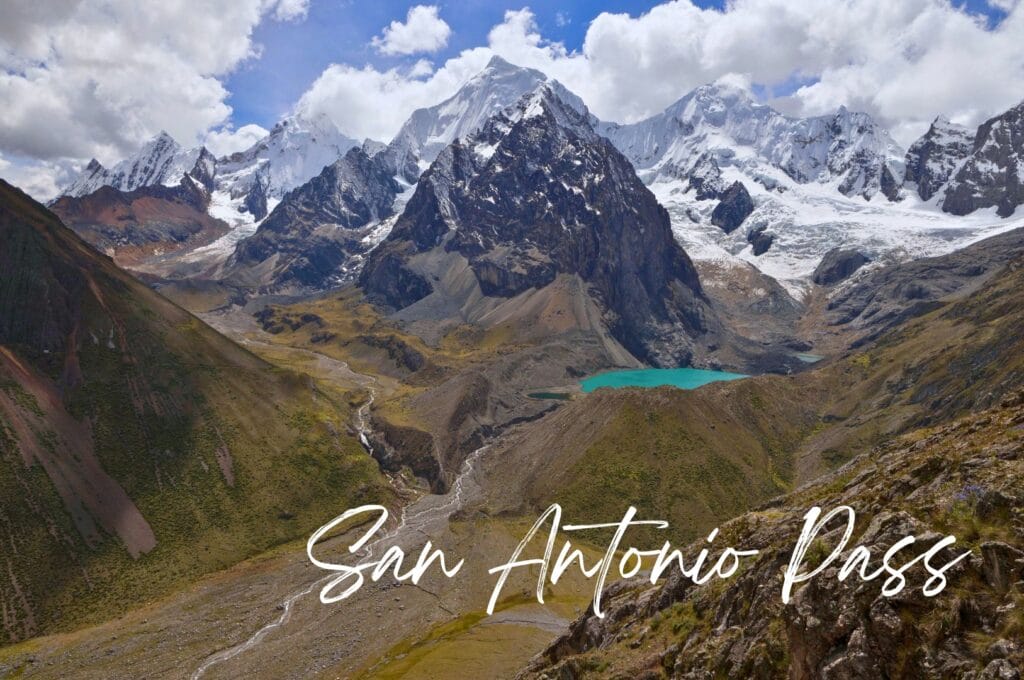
[{"x": 204, "y": 359}]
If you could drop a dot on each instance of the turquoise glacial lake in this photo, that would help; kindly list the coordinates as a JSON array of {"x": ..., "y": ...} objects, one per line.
[{"x": 683, "y": 378}]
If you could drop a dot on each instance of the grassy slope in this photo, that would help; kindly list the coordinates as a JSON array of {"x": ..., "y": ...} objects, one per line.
[
  {"x": 866, "y": 410},
  {"x": 168, "y": 401},
  {"x": 962, "y": 478},
  {"x": 700, "y": 457},
  {"x": 692, "y": 458}
]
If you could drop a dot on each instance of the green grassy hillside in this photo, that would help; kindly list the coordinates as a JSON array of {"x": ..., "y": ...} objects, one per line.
[
  {"x": 963, "y": 478},
  {"x": 139, "y": 448}
]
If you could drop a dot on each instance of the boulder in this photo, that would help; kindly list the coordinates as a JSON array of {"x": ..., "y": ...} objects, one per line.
[
  {"x": 837, "y": 265},
  {"x": 760, "y": 239},
  {"x": 735, "y": 207}
]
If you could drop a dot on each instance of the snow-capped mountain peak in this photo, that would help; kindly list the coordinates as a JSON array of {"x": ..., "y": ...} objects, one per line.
[
  {"x": 992, "y": 175},
  {"x": 161, "y": 160},
  {"x": 431, "y": 129},
  {"x": 296, "y": 150},
  {"x": 932, "y": 159},
  {"x": 534, "y": 197},
  {"x": 724, "y": 120}
]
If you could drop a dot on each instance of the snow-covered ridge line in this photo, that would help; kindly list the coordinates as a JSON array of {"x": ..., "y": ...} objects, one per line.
[
  {"x": 160, "y": 161},
  {"x": 811, "y": 184},
  {"x": 724, "y": 123}
]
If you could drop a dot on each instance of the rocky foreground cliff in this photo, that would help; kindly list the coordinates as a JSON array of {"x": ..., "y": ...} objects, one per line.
[{"x": 963, "y": 478}]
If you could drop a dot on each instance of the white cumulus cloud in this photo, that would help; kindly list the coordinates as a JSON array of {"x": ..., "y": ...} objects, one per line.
[
  {"x": 423, "y": 31},
  {"x": 902, "y": 62},
  {"x": 291, "y": 10},
  {"x": 367, "y": 102},
  {"x": 39, "y": 179},
  {"x": 84, "y": 78},
  {"x": 226, "y": 141}
]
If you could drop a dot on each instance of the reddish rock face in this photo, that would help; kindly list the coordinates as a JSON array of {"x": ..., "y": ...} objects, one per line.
[{"x": 150, "y": 221}]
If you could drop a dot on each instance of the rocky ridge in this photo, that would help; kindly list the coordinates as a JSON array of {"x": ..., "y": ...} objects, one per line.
[
  {"x": 534, "y": 195},
  {"x": 318, "y": 233},
  {"x": 932, "y": 159},
  {"x": 846, "y": 148},
  {"x": 962, "y": 478},
  {"x": 160, "y": 161},
  {"x": 429, "y": 130},
  {"x": 993, "y": 174}
]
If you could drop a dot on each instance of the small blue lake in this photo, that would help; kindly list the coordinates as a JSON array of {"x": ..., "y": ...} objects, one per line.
[{"x": 683, "y": 378}]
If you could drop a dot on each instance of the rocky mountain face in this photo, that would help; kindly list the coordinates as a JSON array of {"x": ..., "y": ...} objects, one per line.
[
  {"x": 932, "y": 159},
  {"x": 854, "y": 149},
  {"x": 848, "y": 148},
  {"x": 150, "y": 221},
  {"x": 993, "y": 174},
  {"x": 534, "y": 195},
  {"x": 705, "y": 178},
  {"x": 319, "y": 231},
  {"x": 887, "y": 296},
  {"x": 134, "y": 438},
  {"x": 838, "y": 265},
  {"x": 295, "y": 151},
  {"x": 815, "y": 184},
  {"x": 160, "y": 161}
]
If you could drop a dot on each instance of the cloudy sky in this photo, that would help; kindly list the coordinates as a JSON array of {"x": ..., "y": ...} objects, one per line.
[{"x": 96, "y": 78}]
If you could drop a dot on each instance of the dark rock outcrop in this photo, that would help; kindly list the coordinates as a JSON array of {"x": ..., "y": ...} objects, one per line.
[
  {"x": 932, "y": 158},
  {"x": 760, "y": 239},
  {"x": 255, "y": 201},
  {"x": 705, "y": 178},
  {"x": 888, "y": 184},
  {"x": 204, "y": 172},
  {"x": 991, "y": 176},
  {"x": 838, "y": 265},
  {"x": 395, "y": 447},
  {"x": 735, "y": 207},
  {"x": 537, "y": 193},
  {"x": 314, "y": 237},
  {"x": 405, "y": 356}
]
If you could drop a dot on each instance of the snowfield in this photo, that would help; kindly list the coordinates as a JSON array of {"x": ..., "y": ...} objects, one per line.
[{"x": 808, "y": 220}]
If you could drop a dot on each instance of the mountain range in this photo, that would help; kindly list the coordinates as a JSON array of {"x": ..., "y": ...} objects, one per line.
[
  {"x": 799, "y": 187},
  {"x": 413, "y": 324},
  {"x": 534, "y": 195}
]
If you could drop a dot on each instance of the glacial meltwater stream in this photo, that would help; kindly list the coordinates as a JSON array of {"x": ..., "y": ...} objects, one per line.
[{"x": 426, "y": 516}]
